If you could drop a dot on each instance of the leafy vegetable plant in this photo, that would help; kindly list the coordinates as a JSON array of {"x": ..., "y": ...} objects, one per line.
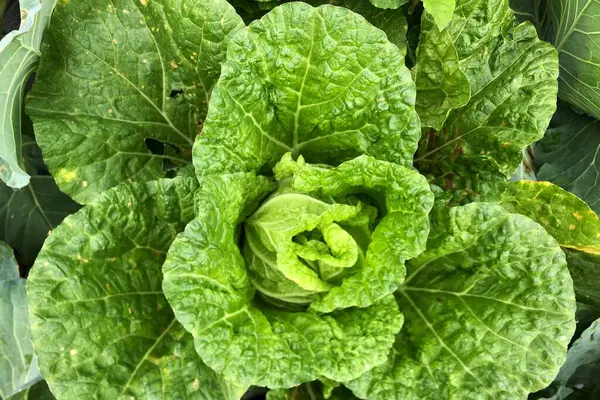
[
  {"x": 318, "y": 241},
  {"x": 272, "y": 198}
]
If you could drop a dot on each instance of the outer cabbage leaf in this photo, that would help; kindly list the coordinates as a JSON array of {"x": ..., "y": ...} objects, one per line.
[
  {"x": 19, "y": 55},
  {"x": 489, "y": 311},
  {"x": 571, "y": 222},
  {"x": 568, "y": 155},
  {"x": 528, "y": 10},
  {"x": 28, "y": 215},
  {"x": 443, "y": 54},
  {"x": 564, "y": 216},
  {"x": 114, "y": 74},
  {"x": 391, "y": 21},
  {"x": 512, "y": 76},
  {"x": 18, "y": 363},
  {"x": 241, "y": 307},
  {"x": 585, "y": 270},
  {"x": 321, "y": 82},
  {"x": 572, "y": 26},
  {"x": 100, "y": 322}
]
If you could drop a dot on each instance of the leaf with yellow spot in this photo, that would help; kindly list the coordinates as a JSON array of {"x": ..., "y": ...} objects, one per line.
[
  {"x": 571, "y": 222},
  {"x": 66, "y": 176},
  {"x": 96, "y": 102}
]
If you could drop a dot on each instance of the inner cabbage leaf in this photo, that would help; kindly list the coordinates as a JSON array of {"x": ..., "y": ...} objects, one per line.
[{"x": 283, "y": 283}]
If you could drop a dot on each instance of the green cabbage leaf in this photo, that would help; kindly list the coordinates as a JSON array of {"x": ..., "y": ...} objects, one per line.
[
  {"x": 571, "y": 25},
  {"x": 487, "y": 89},
  {"x": 321, "y": 82},
  {"x": 19, "y": 57},
  {"x": 571, "y": 222},
  {"x": 301, "y": 249},
  {"x": 123, "y": 87},
  {"x": 101, "y": 325},
  {"x": 488, "y": 311}
]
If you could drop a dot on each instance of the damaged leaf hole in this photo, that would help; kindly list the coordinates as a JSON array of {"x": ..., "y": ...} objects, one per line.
[
  {"x": 175, "y": 93},
  {"x": 172, "y": 156}
]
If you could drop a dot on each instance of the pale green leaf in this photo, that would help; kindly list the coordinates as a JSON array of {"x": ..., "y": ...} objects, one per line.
[
  {"x": 97, "y": 307},
  {"x": 124, "y": 72},
  {"x": 584, "y": 355},
  {"x": 318, "y": 82},
  {"x": 18, "y": 363},
  {"x": 403, "y": 220},
  {"x": 441, "y": 11},
  {"x": 19, "y": 55},
  {"x": 489, "y": 311},
  {"x": 244, "y": 335}
]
